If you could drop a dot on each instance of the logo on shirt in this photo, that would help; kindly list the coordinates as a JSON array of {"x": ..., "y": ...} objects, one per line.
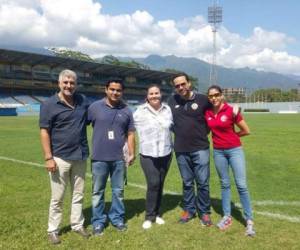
[
  {"x": 194, "y": 106},
  {"x": 224, "y": 118},
  {"x": 177, "y": 106}
]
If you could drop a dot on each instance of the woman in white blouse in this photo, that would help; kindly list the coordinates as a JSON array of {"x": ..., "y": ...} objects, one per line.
[{"x": 153, "y": 121}]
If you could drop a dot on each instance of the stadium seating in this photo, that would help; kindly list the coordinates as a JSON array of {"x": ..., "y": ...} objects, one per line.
[
  {"x": 41, "y": 76},
  {"x": 41, "y": 98},
  {"x": 25, "y": 99},
  {"x": 8, "y": 101}
]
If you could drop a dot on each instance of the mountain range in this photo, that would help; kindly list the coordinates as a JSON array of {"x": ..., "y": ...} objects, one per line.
[{"x": 227, "y": 77}]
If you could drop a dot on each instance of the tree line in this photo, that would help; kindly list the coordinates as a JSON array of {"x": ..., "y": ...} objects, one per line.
[{"x": 266, "y": 95}]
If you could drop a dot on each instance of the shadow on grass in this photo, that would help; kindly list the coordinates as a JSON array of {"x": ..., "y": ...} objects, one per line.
[
  {"x": 135, "y": 207},
  {"x": 235, "y": 211}
]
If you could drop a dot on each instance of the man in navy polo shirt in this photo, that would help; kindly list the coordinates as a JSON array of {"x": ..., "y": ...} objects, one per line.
[
  {"x": 113, "y": 125},
  {"x": 64, "y": 142},
  {"x": 191, "y": 148}
]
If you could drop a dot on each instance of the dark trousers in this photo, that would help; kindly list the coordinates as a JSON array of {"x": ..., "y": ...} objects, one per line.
[{"x": 155, "y": 170}]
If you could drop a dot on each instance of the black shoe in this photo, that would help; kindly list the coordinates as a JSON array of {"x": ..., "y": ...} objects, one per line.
[
  {"x": 54, "y": 238},
  {"x": 121, "y": 227},
  {"x": 82, "y": 231},
  {"x": 98, "y": 230}
]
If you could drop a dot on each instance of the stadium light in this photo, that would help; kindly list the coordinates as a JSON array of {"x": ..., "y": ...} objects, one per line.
[{"x": 215, "y": 17}]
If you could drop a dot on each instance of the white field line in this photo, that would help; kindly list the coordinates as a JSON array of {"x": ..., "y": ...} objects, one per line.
[
  {"x": 22, "y": 162},
  {"x": 257, "y": 203},
  {"x": 273, "y": 203},
  {"x": 280, "y": 216}
]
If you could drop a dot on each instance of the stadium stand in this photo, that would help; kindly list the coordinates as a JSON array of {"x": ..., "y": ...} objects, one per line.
[
  {"x": 41, "y": 98},
  {"x": 28, "y": 79},
  {"x": 8, "y": 101},
  {"x": 26, "y": 99}
]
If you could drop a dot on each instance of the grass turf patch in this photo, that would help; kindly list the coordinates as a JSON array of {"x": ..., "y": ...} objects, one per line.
[{"x": 273, "y": 174}]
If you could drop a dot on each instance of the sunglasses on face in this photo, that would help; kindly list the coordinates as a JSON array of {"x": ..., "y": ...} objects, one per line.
[
  {"x": 177, "y": 86},
  {"x": 214, "y": 95}
]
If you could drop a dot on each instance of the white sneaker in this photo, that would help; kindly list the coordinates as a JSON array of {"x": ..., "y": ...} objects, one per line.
[
  {"x": 147, "y": 224},
  {"x": 250, "y": 228},
  {"x": 159, "y": 220}
]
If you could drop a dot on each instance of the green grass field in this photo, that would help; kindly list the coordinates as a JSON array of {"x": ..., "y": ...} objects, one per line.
[{"x": 273, "y": 167}]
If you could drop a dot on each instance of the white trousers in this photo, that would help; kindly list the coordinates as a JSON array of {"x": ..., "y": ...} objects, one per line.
[{"x": 73, "y": 172}]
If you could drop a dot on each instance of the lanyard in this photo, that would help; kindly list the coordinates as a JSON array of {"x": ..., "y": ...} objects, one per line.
[{"x": 113, "y": 119}]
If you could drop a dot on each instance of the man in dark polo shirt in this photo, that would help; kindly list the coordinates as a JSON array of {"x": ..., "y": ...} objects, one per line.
[
  {"x": 64, "y": 142},
  {"x": 113, "y": 125},
  {"x": 191, "y": 148}
]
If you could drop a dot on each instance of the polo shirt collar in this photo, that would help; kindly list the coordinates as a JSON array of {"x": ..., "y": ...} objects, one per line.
[
  {"x": 56, "y": 97},
  {"x": 58, "y": 100},
  {"x": 192, "y": 98},
  {"x": 120, "y": 105},
  {"x": 225, "y": 106}
]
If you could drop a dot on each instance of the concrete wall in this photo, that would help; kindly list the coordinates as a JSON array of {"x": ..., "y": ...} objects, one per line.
[
  {"x": 30, "y": 109},
  {"x": 274, "y": 107},
  {"x": 8, "y": 112}
]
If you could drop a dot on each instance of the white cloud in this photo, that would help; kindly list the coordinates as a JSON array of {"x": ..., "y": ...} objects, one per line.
[
  {"x": 263, "y": 50},
  {"x": 21, "y": 25},
  {"x": 192, "y": 22},
  {"x": 80, "y": 25},
  {"x": 23, "y": 3}
]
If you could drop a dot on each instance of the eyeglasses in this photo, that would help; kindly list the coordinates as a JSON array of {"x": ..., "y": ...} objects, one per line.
[
  {"x": 177, "y": 86},
  {"x": 214, "y": 95}
]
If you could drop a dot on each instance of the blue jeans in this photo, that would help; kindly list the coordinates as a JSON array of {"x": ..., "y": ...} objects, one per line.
[
  {"x": 194, "y": 167},
  {"x": 234, "y": 158},
  {"x": 100, "y": 171}
]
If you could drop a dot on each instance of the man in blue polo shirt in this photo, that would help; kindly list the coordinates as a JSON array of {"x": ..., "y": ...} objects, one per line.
[
  {"x": 113, "y": 125},
  {"x": 64, "y": 142}
]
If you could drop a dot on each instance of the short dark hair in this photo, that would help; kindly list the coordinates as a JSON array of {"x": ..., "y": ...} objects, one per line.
[
  {"x": 152, "y": 86},
  {"x": 217, "y": 87},
  {"x": 181, "y": 74},
  {"x": 116, "y": 80}
]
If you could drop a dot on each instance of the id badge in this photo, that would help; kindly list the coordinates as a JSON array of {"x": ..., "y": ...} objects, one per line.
[{"x": 111, "y": 135}]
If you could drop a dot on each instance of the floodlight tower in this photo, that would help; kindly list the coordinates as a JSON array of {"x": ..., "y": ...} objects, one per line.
[{"x": 215, "y": 19}]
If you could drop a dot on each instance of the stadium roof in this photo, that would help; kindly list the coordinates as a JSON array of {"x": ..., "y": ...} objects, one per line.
[{"x": 18, "y": 57}]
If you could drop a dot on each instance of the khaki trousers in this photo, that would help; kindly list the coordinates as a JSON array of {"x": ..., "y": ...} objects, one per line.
[{"x": 73, "y": 172}]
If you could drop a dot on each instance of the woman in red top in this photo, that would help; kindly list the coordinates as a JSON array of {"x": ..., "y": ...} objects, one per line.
[{"x": 228, "y": 152}]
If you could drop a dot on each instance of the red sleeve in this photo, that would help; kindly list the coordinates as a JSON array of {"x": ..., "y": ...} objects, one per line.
[{"x": 238, "y": 117}]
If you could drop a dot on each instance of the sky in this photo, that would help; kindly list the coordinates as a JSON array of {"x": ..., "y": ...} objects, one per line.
[{"x": 263, "y": 35}]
